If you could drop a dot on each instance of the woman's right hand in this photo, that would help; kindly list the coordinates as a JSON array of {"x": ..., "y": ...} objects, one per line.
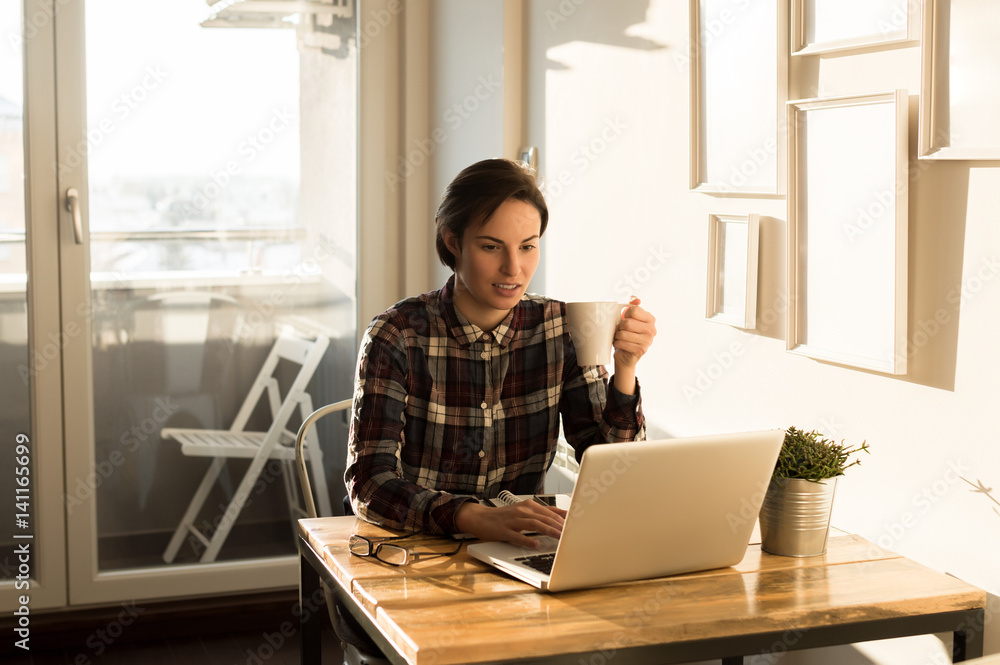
[{"x": 508, "y": 522}]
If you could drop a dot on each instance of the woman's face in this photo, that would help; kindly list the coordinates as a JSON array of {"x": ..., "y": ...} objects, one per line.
[{"x": 495, "y": 263}]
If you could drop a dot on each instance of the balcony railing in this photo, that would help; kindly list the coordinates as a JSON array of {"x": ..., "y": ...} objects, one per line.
[
  {"x": 14, "y": 280},
  {"x": 142, "y": 235}
]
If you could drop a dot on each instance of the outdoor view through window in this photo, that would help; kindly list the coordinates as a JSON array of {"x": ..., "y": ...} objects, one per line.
[
  {"x": 220, "y": 180},
  {"x": 192, "y": 143}
]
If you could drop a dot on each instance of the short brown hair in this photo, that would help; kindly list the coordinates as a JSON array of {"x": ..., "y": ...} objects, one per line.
[{"x": 476, "y": 193}]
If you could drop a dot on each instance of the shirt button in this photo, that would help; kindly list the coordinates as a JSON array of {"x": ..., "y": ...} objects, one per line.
[
  {"x": 486, "y": 337},
  {"x": 484, "y": 405},
  {"x": 482, "y": 454},
  {"x": 484, "y": 355}
]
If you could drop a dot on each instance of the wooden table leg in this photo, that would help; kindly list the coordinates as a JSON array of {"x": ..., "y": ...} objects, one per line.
[{"x": 309, "y": 622}]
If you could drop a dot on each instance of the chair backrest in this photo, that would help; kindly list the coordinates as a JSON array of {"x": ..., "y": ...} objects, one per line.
[
  {"x": 307, "y": 353},
  {"x": 300, "y": 457}
]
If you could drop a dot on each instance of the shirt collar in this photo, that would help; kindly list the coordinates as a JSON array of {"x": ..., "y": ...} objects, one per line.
[{"x": 466, "y": 333}]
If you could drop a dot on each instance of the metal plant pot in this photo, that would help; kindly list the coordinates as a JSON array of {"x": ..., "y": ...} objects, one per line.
[{"x": 795, "y": 516}]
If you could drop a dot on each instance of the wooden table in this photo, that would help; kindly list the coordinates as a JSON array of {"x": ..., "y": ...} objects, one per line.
[{"x": 457, "y": 610}]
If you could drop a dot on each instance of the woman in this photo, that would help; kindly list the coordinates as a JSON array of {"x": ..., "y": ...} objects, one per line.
[{"x": 459, "y": 392}]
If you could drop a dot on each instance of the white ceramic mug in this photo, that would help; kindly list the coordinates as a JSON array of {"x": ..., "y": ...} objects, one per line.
[{"x": 592, "y": 326}]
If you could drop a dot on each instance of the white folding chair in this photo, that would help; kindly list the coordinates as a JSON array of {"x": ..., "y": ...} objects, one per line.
[
  {"x": 259, "y": 447},
  {"x": 188, "y": 365}
]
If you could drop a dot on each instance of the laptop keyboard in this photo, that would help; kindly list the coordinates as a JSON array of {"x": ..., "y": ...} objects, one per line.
[{"x": 540, "y": 562}]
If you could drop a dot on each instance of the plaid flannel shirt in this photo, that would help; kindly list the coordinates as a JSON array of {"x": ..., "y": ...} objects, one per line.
[{"x": 445, "y": 413}]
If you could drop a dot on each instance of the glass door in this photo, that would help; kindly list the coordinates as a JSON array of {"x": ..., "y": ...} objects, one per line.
[
  {"x": 212, "y": 160},
  {"x": 32, "y": 536}
]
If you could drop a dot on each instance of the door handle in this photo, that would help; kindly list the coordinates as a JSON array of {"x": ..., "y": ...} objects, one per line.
[
  {"x": 529, "y": 155},
  {"x": 73, "y": 206}
]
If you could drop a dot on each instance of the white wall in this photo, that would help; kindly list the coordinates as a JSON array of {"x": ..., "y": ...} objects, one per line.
[
  {"x": 607, "y": 91},
  {"x": 467, "y": 92}
]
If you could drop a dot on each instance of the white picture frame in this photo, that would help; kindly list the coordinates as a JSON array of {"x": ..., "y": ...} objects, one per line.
[
  {"x": 958, "y": 61},
  {"x": 836, "y": 26},
  {"x": 738, "y": 82},
  {"x": 847, "y": 230},
  {"x": 732, "y": 269}
]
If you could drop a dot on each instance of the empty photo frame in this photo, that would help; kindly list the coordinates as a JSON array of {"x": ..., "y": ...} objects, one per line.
[
  {"x": 960, "y": 80},
  {"x": 738, "y": 80},
  {"x": 732, "y": 270},
  {"x": 830, "y": 26},
  {"x": 847, "y": 230}
]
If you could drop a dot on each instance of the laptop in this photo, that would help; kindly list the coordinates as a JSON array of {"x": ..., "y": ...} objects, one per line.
[{"x": 650, "y": 509}]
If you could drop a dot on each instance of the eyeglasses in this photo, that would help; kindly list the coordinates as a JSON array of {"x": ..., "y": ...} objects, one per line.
[{"x": 391, "y": 553}]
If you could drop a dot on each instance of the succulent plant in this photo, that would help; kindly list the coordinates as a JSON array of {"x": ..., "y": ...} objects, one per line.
[{"x": 811, "y": 456}]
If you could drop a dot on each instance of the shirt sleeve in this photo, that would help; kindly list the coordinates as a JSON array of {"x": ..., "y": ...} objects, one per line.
[
  {"x": 594, "y": 411},
  {"x": 379, "y": 493}
]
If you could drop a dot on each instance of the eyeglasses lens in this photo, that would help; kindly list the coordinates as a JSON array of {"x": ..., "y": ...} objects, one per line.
[
  {"x": 393, "y": 554},
  {"x": 360, "y": 546}
]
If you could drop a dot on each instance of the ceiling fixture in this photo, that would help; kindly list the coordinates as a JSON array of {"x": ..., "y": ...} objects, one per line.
[{"x": 273, "y": 13}]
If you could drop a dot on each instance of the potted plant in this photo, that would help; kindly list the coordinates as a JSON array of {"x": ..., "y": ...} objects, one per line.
[{"x": 795, "y": 515}]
